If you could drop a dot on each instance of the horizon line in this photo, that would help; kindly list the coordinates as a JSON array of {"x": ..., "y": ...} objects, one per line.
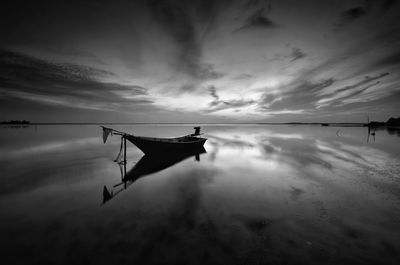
[{"x": 228, "y": 123}]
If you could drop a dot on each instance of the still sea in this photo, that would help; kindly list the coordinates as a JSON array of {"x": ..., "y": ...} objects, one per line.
[{"x": 257, "y": 194}]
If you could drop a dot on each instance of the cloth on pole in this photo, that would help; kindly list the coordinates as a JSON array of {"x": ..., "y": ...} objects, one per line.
[
  {"x": 106, "y": 132},
  {"x": 118, "y": 158}
]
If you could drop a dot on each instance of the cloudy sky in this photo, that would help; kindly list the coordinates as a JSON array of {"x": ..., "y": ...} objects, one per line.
[{"x": 199, "y": 61}]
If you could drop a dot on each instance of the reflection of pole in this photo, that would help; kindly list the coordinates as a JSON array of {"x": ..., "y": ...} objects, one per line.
[
  {"x": 124, "y": 179},
  {"x": 125, "y": 157},
  {"x": 369, "y": 131}
]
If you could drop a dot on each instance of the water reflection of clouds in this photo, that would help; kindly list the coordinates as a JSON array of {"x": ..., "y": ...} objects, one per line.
[
  {"x": 308, "y": 181},
  {"x": 44, "y": 148},
  {"x": 295, "y": 153},
  {"x": 268, "y": 149},
  {"x": 25, "y": 168},
  {"x": 256, "y": 194}
]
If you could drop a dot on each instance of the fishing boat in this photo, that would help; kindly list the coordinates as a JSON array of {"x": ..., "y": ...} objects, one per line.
[{"x": 153, "y": 145}]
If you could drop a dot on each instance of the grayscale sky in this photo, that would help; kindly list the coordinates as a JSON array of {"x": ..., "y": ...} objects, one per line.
[{"x": 199, "y": 61}]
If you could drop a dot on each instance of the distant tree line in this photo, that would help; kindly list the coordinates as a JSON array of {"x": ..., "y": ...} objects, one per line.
[
  {"x": 15, "y": 122},
  {"x": 391, "y": 122}
]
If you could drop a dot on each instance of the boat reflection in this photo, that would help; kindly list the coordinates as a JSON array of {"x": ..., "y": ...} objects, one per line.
[{"x": 147, "y": 165}]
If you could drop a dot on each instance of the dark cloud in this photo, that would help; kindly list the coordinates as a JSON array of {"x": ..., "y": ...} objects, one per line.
[
  {"x": 18, "y": 63},
  {"x": 242, "y": 76},
  {"x": 69, "y": 51},
  {"x": 355, "y": 93},
  {"x": 188, "y": 87},
  {"x": 366, "y": 80},
  {"x": 213, "y": 92},
  {"x": 117, "y": 24},
  {"x": 389, "y": 60},
  {"x": 292, "y": 55},
  {"x": 353, "y": 13},
  {"x": 388, "y": 4},
  {"x": 350, "y": 15},
  {"x": 255, "y": 224},
  {"x": 201, "y": 74},
  {"x": 251, "y": 4},
  {"x": 301, "y": 96},
  {"x": 178, "y": 19},
  {"x": 297, "y": 54},
  {"x": 295, "y": 193},
  {"x": 23, "y": 75},
  {"x": 257, "y": 21},
  {"x": 205, "y": 71},
  {"x": 338, "y": 102},
  {"x": 306, "y": 94}
]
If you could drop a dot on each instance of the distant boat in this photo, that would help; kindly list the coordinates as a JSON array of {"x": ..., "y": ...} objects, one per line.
[
  {"x": 324, "y": 124},
  {"x": 153, "y": 145}
]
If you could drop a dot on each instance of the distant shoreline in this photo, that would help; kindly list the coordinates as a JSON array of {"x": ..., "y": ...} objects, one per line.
[
  {"x": 186, "y": 123},
  {"x": 392, "y": 123}
]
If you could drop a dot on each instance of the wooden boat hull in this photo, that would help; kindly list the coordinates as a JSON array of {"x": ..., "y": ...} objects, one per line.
[{"x": 166, "y": 145}]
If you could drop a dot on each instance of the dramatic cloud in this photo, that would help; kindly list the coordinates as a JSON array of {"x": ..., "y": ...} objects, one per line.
[
  {"x": 366, "y": 80},
  {"x": 218, "y": 60},
  {"x": 26, "y": 77},
  {"x": 349, "y": 91}
]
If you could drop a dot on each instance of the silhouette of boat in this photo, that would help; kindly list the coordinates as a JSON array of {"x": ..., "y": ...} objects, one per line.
[
  {"x": 156, "y": 145},
  {"x": 152, "y": 145},
  {"x": 150, "y": 164}
]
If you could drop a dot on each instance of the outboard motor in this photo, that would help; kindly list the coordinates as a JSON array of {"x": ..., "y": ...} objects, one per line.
[{"x": 196, "y": 131}]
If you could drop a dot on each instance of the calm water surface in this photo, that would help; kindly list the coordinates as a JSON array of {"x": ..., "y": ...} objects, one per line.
[{"x": 259, "y": 195}]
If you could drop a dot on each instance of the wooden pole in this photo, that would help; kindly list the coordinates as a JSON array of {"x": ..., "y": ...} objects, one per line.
[
  {"x": 124, "y": 149},
  {"x": 124, "y": 160}
]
